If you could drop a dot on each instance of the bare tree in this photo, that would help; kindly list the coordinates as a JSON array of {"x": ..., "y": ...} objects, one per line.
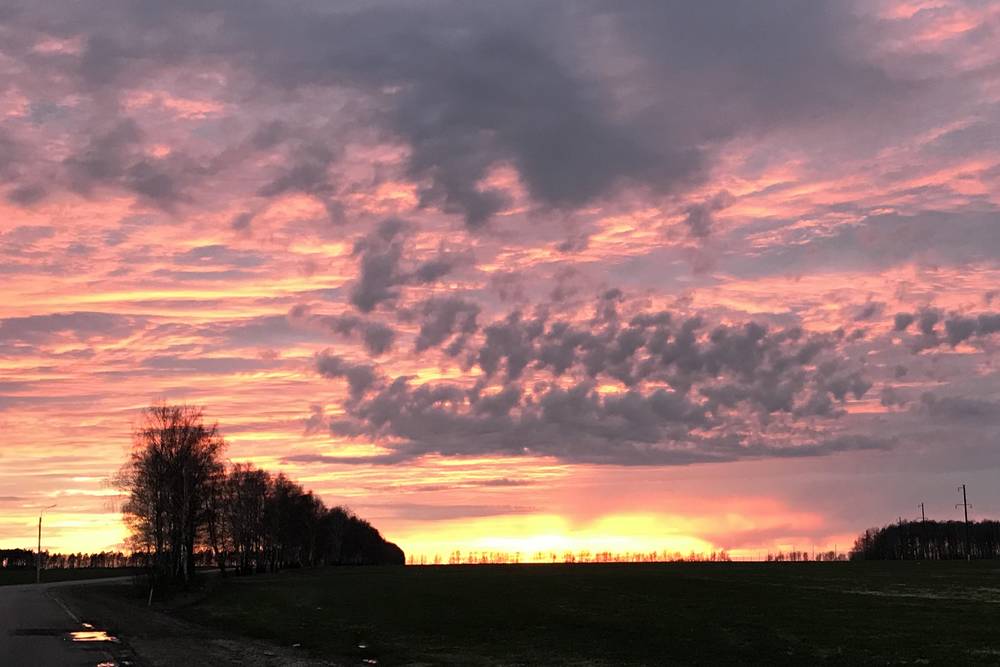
[
  {"x": 246, "y": 500},
  {"x": 184, "y": 503},
  {"x": 169, "y": 477}
]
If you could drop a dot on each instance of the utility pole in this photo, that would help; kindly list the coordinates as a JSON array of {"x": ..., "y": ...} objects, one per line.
[
  {"x": 965, "y": 505},
  {"x": 38, "y": 554},
  {"x": 923, "y": 532}
]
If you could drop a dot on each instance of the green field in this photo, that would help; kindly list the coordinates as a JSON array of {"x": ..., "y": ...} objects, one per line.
[
  {"x": 888, "y": 612},
  {"x": 27, "y": 576}
]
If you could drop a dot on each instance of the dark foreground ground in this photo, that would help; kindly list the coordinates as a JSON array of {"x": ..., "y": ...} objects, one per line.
[{"x": 792, "y": 613}]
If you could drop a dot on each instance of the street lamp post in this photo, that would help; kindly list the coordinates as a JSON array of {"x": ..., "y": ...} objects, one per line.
[{"x": 38, "y": 554}]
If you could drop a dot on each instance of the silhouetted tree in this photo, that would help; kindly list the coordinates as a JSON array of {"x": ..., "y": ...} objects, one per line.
[
  {"x": 245, "y": 505},
  {"x": 168, "y": 477},
  {"x": 932, "y": 540},
  {"x": 186, "y": 509},
  {"x": 349, "y": 540}
]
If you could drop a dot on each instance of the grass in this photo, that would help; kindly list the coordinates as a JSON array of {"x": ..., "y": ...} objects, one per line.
[
  {"x": 27, "y": 576},
  {"x": 622, "y": 614}
]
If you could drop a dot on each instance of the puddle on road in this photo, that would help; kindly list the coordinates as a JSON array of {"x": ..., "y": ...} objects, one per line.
[
  {"x": 91, "y": 634},
  {"x": 88, "y": 634},
  {"x": 366, "y": 661}
]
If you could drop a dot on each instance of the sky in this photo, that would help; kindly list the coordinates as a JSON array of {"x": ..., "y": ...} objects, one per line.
[{"x": 521, "y": 276}]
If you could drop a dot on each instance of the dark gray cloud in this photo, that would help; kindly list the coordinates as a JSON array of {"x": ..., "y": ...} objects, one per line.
[
  {"x": 81, "y": 325},
  {"x": 427, "y": 512},
  {"x": 114, "y": 156},
  {"x": 381, "y": 459},
  {"x": 509, "y": 342},
  {"x": 658, "y": 427},
  {"x": 469, "y": 87},
  {"x": 959, "y": 408},
  {"x": 688, "y": 391},
  {"x": 927, "y": 320},
  {"x": 219, "y": 255},
  {"x": 500, "y": 482},
  {"x": 504, "y": 482},
  {"x": 307, "y": 170},
  {"x": 509, "y": 286},
  {"x": 376, "y": 336},
  {"x": 360, "y": 376},
  {"x": 9, "y": 153},
  {"x": 514, "y": 86},
  {"x": 27, "y": 194},
  {"x": 24, "y": 191},
  {"x": 241, "y": 222},
  {"x": 383, "y": 269},
  {"x": 25, "y": 235},
  {"x": 700, "y": 218},
  {"x": 207, "y": 365},
  {"x": 982, "y": 136},
  {"x": 892, "y": 397},
  {"x": 443, "y": 317},
  {"x": 308, "y": 175},
  {"x": 869, "y": 310},
  {"x": 958, "y": 327},
  {"x": 957, "y": 237},
  {"x": 263, "y": 330},
  {"x": 316, "y": 422},
  {"x": 225, "y": 275},
  {"x": 379, "y": 254}
]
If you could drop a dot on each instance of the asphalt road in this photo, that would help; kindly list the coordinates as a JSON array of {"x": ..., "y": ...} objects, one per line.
[{"x": 36, "y": 630}]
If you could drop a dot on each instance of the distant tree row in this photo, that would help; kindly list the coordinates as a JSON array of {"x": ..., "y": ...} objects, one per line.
[
  {"x": 929, "y": 540},
  {"x": 504, "y": 557},
  {"x": 513, "y": 558},
  {"x": 26, "y": 558},
  {"x": 804, "y": 556},
  {"x": 183, "y": 499}
]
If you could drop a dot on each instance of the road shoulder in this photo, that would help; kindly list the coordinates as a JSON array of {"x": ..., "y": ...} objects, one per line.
[{"x": 151, "y": 638}]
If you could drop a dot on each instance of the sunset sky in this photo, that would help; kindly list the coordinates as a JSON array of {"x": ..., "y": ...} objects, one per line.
[{"x": 521, "y": 276}]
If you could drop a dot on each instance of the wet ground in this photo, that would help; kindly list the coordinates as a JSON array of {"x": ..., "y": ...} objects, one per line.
[
  {"x": 153, "y": 638},
  {"x": 36, "y": 628}
]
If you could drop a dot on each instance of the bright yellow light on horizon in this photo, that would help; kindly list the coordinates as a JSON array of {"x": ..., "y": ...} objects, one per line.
[
  {"x": 69, "y": 532},
  {"x": 547, "y": 534}
]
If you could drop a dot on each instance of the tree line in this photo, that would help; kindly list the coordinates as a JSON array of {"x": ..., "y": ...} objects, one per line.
[
  {"x": 457, "y": 557},
  {"x": 929, "y": 540},
  {"x": 184, "y": 501},
  {"x": 13, "y": 559}
]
